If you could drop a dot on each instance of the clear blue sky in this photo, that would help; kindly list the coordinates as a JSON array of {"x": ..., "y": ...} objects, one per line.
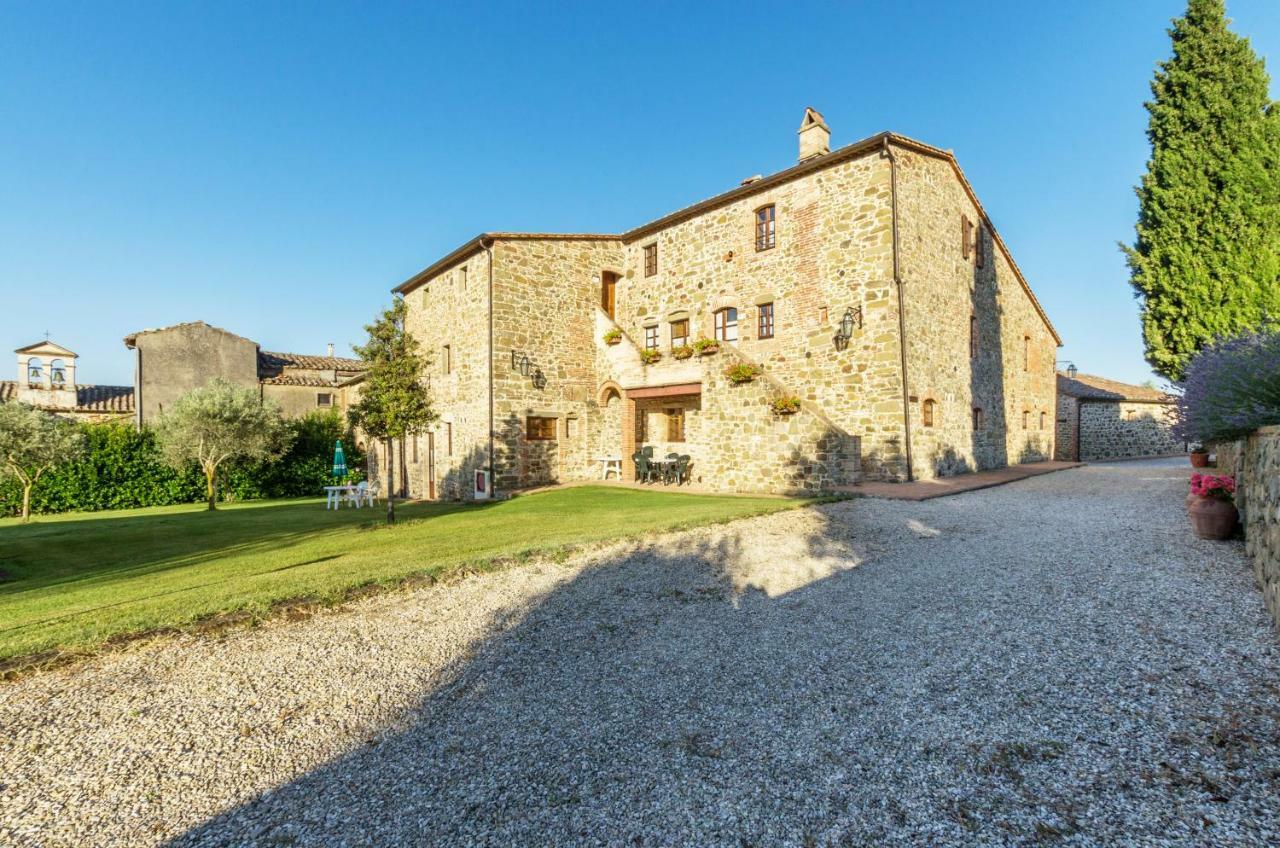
[{"x": 275, "y": 169}]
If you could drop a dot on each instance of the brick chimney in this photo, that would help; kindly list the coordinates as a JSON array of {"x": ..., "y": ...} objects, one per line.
[{"x": 815, "y": 135}]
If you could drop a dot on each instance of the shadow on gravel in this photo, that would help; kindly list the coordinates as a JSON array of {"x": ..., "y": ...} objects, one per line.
[{"x": 759, "y": 690}]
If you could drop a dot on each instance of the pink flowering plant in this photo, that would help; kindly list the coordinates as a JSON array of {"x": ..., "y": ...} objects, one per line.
[{"x": 1218, "y": 486}]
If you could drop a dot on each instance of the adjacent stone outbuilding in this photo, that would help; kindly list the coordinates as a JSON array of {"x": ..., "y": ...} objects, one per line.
[{"x": 1106, "y": 419}]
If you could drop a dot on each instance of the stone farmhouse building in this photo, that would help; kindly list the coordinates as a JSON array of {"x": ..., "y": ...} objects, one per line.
[
  {"x": 171, "y": 361},
  {"x": 867, "y": 283},
  {"x": 47, "y": 380},
  {"x": 1106, "y": 419}
]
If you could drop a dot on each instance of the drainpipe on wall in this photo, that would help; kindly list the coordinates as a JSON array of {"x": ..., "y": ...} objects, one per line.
[
  {"x": 887, "y": 152},
  {"x": 493, "y": 480}
]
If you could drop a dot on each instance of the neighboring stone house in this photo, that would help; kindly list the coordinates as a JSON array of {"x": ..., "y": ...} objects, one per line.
[
  {"x": 47, "y": 380},
  {"x": 171, "y": 361},
  {"x": 867, "y": 282},
  {"x": 1105, "y": 419}
]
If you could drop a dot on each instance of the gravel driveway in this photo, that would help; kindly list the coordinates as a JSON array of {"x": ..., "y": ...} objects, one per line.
[{"x": 1054, "y": 661}]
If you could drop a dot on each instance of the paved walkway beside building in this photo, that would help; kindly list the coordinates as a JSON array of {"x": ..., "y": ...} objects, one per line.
[
  {"x": 1056, "y": 660},
  {"x": 923, "y": 490}
]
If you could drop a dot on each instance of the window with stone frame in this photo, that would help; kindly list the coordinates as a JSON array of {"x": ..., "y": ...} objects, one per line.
[
  {"x": 979, "y": 247},
  {"x": 539, "y": 429},
  {"x": 764, "y": 321},
  {"x": 973, "y": 336},
  {"x": 726, "y": 324},
  {"x": 966, "y": 236},
  {"x": 766, "y": 227},
  {"x": 651, "y": 337},
  {"x": 680, "y": 332},
  {"x": 1026, "y": 353},
  {"x": 675, "y": 424},
  {"x": 1043, "y": 418},
  {"x": 324, "y": 399},
  {"x": 1026, "y": 419},
  {"x": 462, "y": 277},
  {"x": 446, "y": 358},
  {"x": 650, "y": 259},
  {"x": 978, "y": 418},
  {"x": 928, "y": 412}
]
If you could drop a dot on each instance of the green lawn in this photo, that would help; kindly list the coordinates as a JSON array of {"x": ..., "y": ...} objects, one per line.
[{"x": 74, "y": 581}]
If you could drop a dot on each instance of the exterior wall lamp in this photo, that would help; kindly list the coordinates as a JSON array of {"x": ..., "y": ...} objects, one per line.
[
  {"x": 845, "y": 331},
  {"x": 1072, "y": 370}
]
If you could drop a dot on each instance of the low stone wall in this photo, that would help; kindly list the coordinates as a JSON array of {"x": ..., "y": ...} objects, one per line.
[{"x": 1255, "y": 462}]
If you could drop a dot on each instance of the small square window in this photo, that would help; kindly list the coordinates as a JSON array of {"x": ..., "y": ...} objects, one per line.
[
  {"x": 680, "y": 332},
  {"x": 540, "y": 429},
  {"x": 324, "y": 399},
  {"x": 650, "y": 259},
  {"x": 764, "y": 321},
  {"x": 651, "y": 337}
]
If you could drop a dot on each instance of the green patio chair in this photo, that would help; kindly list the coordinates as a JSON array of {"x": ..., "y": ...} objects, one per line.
[
  {"x": 644, "y": 471},
  {"x": 681, "y": 470}
]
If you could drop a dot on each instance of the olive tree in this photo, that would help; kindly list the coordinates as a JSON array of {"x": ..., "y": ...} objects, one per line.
[
  {"x": 31, "y": 443},
  {"x": 218, "y": 423},
  {"x": 393, "y": 400}
]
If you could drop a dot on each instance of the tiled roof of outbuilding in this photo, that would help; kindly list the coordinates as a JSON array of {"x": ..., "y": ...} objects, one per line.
[
  {"x": 272, "y": 360},
  {"x": 291, "y": 380},
  {"x": 1093, "y": 387},
  {"x": 108, "y": 399}
]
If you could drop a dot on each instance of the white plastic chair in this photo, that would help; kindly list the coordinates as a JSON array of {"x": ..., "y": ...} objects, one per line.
[{"x": 365, "y": 493}]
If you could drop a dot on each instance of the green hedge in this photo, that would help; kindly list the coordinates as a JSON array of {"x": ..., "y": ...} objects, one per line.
[{"x": 122, "y": 469}]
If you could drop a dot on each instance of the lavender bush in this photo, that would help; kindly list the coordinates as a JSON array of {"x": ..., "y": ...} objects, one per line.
[{"x": 1231, "y": 388}]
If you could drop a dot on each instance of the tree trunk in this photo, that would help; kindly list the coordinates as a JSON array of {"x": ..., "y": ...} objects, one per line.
[
  {"x": 26, "y": 502},
  {"x": 210, "y": 475},
  {"x": 391, "y": 502}
]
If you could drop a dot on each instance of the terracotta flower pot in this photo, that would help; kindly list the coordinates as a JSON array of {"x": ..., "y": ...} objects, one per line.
[
  {"x": 613, "y": 340},
  {"x": 1199, "y": 460},
  {"x": 1213, "y": 519}
]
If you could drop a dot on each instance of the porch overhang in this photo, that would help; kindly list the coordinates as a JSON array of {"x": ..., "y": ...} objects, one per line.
[{"x": 671, "y": 390}]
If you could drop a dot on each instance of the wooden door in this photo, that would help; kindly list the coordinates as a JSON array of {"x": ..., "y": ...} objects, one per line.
[{"x": 608, "y": 291}]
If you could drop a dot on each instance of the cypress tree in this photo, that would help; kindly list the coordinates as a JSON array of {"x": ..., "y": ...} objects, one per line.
[{"x": 1206, "y": 261}]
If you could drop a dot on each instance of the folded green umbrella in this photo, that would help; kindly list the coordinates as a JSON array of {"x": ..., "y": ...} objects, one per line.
[{"x": 339, "y": 461}]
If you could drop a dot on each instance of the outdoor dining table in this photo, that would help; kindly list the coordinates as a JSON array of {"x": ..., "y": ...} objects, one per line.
[
  {"x": 610, "y": 463},
  {"x": 335, "y": 494}
]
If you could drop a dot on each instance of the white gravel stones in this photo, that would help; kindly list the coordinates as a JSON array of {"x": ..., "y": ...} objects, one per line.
[{"x": 1056, "y": 660}]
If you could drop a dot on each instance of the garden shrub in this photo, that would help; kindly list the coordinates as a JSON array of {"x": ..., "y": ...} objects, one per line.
[
  {"x": 1231, "y": 388},
  {"x": 122, "y": 469}
]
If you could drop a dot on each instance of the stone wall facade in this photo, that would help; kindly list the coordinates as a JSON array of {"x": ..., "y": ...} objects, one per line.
[
  {"x": 551, "y": 371},
  {"x": 953, "y": 289},
  {"x": 1255, "y": 462},
  {"x": 175, "y": 360},
  {"x": 1095, "y": 430}
]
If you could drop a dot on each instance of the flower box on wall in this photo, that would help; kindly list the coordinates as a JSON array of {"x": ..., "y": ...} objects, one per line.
[{"x": 706, "y": 347}]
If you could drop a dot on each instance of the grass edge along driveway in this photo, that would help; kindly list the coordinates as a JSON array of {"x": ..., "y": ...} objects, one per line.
[{"x": 71, "y": 582}]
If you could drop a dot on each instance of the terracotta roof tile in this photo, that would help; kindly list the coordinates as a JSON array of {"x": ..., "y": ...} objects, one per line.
[
  {"x": 113, "y": 399},
  {"x": 1093, "y": 387},
  {"x": 291, "y": 380},
  {"x": 273, "y": 361}
]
